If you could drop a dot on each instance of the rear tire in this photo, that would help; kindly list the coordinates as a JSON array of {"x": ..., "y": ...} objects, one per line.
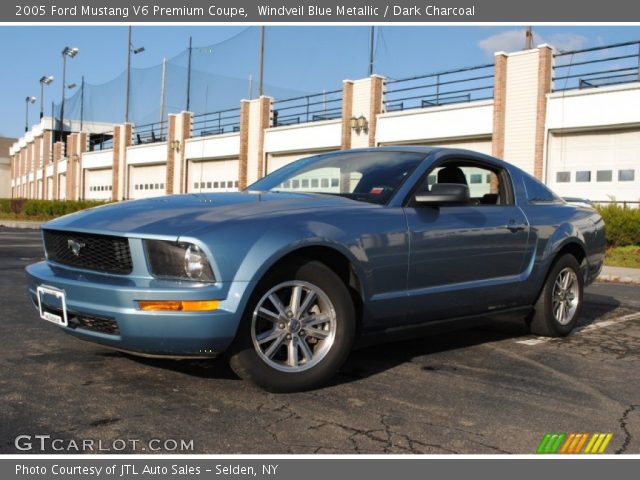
[
  {"x": 297, "y": 330},
  {"x": 558, "y": 307}
]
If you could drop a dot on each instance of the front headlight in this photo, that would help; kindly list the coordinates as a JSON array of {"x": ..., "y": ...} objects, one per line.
[{"x": 178, "y": 260}]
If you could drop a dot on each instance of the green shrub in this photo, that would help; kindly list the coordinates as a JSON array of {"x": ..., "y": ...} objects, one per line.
[
  {"x": 43, "y": 208},
  {"x": 622, "y": 224}
]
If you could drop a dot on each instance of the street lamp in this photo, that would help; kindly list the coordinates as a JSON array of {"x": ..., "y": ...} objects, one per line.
[
  {"x": 67, "y": 52},
  {"x": 135, "y": 51},
  {"x": 45, "y": 80},
  {"x": 26, "y": 121}
]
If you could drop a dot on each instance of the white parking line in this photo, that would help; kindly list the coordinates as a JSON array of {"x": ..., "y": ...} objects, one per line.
[{"x": 586, "y": 328}]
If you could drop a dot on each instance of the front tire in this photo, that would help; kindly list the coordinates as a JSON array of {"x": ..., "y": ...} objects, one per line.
[
  {"x": 557, "y": 308},
  {"x": 297, "y": 330}
]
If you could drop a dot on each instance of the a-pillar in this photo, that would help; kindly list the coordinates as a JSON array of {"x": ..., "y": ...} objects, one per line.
[
  {"x": 178, "y": 131},
  {"x": 522, "y": 81},
  {"x": 361, "y": 99},
  {"x": 121, "y": 140},
  {"x": 255, "y": 117}
]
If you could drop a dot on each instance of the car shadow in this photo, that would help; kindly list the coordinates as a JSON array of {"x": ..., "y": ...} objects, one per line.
[{"x": 371, "y": 360}]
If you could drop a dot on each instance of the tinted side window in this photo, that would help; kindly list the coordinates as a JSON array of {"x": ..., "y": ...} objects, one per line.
[{"x": 537, "y": 191}]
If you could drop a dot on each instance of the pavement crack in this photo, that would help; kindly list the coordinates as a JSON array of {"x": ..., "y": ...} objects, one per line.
[{"x": 623, "y": 426}]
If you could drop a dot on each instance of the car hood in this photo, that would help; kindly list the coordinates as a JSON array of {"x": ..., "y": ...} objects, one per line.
[{"x": 177, "y": 215}]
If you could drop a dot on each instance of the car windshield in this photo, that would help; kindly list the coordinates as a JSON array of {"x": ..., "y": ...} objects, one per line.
[{"x": 364, "y": 176}]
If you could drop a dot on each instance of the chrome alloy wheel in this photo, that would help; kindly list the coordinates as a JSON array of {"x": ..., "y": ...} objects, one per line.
[
  {"x": 565, "y": 297},
  {"x": 293, "y": 326}
]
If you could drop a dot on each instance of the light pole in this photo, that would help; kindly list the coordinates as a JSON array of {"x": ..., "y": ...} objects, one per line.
[
  {"x": 45, "y": 80},
  {"x": 67, "y": 52},
  {"x": 26, "y": 119},
  {"x": 135, "y": 51}
]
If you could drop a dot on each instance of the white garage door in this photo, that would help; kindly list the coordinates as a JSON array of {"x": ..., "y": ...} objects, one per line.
[
  {"x": 276, "y": 161},
  {"x": 62, "y": 186},
  {"x": 600, "y": 166},
  {"x": 147, "y": 181},
  {"x": 97, "y": 184},
  {"x": 213, "y": 175}
]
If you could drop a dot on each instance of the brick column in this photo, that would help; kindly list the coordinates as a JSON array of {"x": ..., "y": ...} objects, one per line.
[
  {"x": 244, "y": 144},
  {"x": 499, "y": 93},
  {"x": 255, "y": 117},
  {"x": 545, "y": 73},
  {"x": 178, "y": 131},
  {"x": 57, "y": 155},
  {"x": 81, "y": 148},
  {"x": 171, "y": 153},
  {"x": 72, "y": 160},
  {"x": 37, "y": 165},
  {"x": 29, "y": 170},
  {"x": 46, "y": 153},
  {"x": 121, "y": 140},
  {"x": 377, "y": 92},
  {"x": 347, "y": 109}
]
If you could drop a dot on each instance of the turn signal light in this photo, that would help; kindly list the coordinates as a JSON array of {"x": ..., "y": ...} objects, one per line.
[{"x": 178, "y": 305}]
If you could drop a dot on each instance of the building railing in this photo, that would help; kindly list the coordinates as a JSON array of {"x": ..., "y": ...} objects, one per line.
[
  {"x": 100, "y": 141},
  {"x": 308, "y": 108},
  {"x": 149, "y": 133},
  {"x": 441, "y": 88},
  {"x": 598, "y": 66},
  {"x": 216, "y": 123}
]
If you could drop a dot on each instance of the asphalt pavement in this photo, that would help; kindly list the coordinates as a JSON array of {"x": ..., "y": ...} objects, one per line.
[{"x": 494, "y": 389}]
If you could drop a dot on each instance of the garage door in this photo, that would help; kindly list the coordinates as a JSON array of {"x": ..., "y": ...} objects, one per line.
[
  {"x": 62, "y": 186},
  {"x": 147, "y": 181},
  {"x": 97, "y": 184},
  {"x": 599, "y": 166},
  {"x": 213, "y": 175},
  {"x": 276, "y": 161}
]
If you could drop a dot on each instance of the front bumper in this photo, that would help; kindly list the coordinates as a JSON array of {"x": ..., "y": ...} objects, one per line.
[{"x": 103, "y": 309}]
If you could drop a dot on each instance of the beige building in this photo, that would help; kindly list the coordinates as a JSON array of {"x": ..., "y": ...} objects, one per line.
[
  {"x": 5, "y": 166},
  {"x": 582, "y": 140}
]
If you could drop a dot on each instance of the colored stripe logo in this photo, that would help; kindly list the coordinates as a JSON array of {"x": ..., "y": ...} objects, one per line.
[{"x": 564, "y": 443}]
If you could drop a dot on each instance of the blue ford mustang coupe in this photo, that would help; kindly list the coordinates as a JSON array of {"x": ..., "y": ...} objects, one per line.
[{"x": 286, "y": 276}]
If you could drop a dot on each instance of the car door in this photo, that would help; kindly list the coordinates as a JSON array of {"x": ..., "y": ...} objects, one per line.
[{"x": 466, "y": 259}]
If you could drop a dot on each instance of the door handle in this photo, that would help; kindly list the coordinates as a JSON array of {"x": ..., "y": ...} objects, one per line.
[{"x": 515, "y": 227}]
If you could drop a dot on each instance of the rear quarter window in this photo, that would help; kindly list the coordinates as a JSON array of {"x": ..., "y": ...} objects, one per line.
[{"x": 537, "y": 192}]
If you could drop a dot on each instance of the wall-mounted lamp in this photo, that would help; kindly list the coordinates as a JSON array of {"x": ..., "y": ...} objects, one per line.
[
  {"x": 175, "y": 145},
  {"x": 359, "y": 124}
]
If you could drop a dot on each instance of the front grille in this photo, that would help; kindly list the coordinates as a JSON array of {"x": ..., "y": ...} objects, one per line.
[
  {"x": 103, "y": 253},
  {"x": 84, "y": 320},
  {"x": 95, "y": 324}
]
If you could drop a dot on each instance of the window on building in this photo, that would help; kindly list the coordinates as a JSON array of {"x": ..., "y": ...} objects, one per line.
[
  {"x": 215, "y": 184},
  {"x": 315, "y": 183},
  {"x": 563, "y": 177},
  {"x": 324, "y": 183},
  {"x": 230, "y": 184},
  {"x": 195, "y": 184},
  {"x": 583, "y": 176},
  {"x": 236, "y": 184},
  {"x": 335, "y": 182},
  {"x": 626, "y": 175},
  {"x": 209, "y": 184},
  {"x": 475, "y": 178},
  {"x": 603, "y": 176},
  {"x": 295, "y": 183}
]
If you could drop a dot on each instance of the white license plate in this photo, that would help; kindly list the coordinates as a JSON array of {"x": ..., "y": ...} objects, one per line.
[{"x": 49, "y": 297}]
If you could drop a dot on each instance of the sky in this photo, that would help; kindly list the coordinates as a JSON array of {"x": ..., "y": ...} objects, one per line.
[{"x": 299, "y": 59}]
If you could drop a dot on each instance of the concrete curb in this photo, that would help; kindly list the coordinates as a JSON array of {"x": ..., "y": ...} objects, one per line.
[
  {"x": 619, "y": 279},
  {"x": 20, "y": 224}
]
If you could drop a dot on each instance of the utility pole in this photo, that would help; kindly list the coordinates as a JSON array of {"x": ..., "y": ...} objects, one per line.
[
  {"x": 371, "y": 50},
  {"x": 189, "y": 75},
  {"x": 82, "y": 103},
  {"x": 162, "y": 90},
  {"x": 261, "y": 70},
  {"x": 128, "y": 87},
  {"x": 529, "y": 39}
]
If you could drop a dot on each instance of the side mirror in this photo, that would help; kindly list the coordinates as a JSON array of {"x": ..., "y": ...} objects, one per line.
[{"x": 444, "y": 193}]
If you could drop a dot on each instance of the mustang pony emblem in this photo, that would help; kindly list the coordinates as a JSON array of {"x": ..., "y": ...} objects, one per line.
[{"x": 75, "y": 246}]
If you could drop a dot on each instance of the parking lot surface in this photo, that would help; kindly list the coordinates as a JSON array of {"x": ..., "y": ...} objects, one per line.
[{"x": 493, "y": 389}]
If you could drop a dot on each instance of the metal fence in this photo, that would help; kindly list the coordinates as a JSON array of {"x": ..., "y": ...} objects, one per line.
[
  {"x": 308, "y": 108},
  {"x": 216, "y": 123},
  {"x": 595, "y": 67},
  {"x": 442, "y": 88},
  {"x": 149, "y": 133}
]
